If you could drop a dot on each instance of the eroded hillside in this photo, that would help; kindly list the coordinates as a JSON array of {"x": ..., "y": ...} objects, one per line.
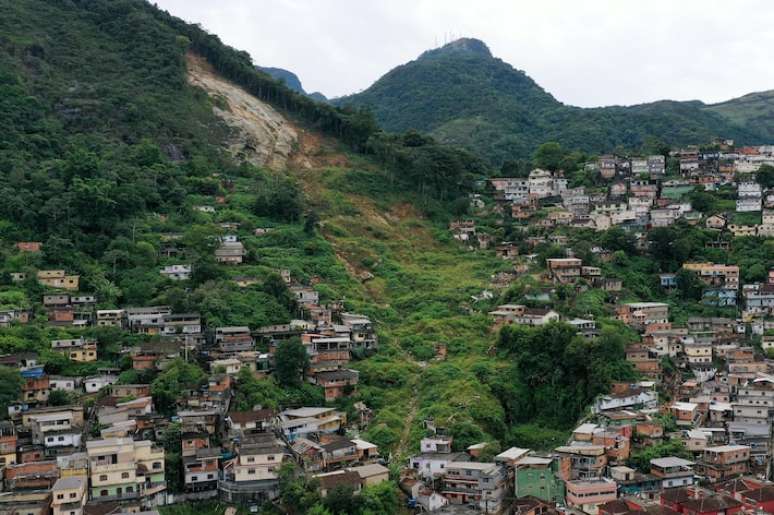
[{"x": 259, "y": 134}]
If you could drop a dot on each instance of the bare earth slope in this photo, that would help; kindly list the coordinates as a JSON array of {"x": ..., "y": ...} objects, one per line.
[{"x": 260, "y": 135}]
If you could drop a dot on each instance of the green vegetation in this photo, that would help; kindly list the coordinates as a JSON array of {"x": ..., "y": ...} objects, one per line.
[
  {"x": 460, "y": 94},
  {"x": 555, "y": 374}
]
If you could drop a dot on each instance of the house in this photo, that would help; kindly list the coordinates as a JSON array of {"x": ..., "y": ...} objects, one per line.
[
  {"x": 483, "y": 485},
  {"x": 539, "y": 477},
  {"x": 725, "y": 462},
  {"x": 329, "y": 481},
  {"x": 641, "y": 314},
  {"x": 695, "y": 501},
  {"x": 301, "y": 422},
  {"x": 230, "y": 252},
  {"x": 68, "y": 496},
  {"x": 463, "y": 230},
  {"x": 435, "y": 456},
  {"x": 336, "y": 383},
  {"x": 122, "y": 468},
  {"x": 110, "y": 317},
  {"x": 339, "y": 453},
  {"x": 254, "y": 473},
  {"x": 177, "y": 272},
  {"x": 56, "y": 430},
  {"x": 626, "y": 396},
  {"x": 81, "y": 350},
  {"x": 371, "y": 474},
  {"x": 672, "y": 472},
  {"x": 201, "y": 470},
  {"x": 564, "y": 270},
  {"x": 588, "y": 494},
  {"x": 713, "y": 274},
  {"x": 29, "y": 246},
  {"x": 93, "y": 384},
  {"x": 251, "y": 421},
  {"x": 685, "y": 413},
  {"x": 58, "y": 279},
  {"x": 716, "y": 222},
  {"x": 522, "y": 315}
]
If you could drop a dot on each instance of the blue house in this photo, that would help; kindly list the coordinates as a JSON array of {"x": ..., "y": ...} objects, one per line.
[
  {"x": 668, "y": 281},
  {"x": 719, "y": 297}
]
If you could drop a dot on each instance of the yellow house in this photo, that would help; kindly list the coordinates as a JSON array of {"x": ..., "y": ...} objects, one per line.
[
  {"x": 121, "y": 468},
  {"x": 77, "y": 349},
  {"x": 58, "y": 279}
]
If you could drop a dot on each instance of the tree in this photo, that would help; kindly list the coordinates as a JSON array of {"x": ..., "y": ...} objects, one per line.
[
  {"x": 298, "y": 494},
  {"x": 291, "y": 360},
  {"x": 10, "y": 388},
  {"x": 765, "y": 176},
  {"x": 177, "y": 377},
  {"x": 549, "y": 156},
  {"x": 59, "y": 398},
  {"x": 380, "y": 498},
  {"x": 689, "y": 285},
  {"x": 341, "y": 500}
]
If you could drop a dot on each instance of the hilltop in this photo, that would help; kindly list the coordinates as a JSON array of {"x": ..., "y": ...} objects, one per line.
[
  {"x": 292, "y": 81},
  {"x": 462, "y": 94}
]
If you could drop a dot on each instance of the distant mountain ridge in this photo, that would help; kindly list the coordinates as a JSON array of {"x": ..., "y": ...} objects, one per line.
[
  {"x": 460, "y": 93},
  {"x": 292, "y": 81}
]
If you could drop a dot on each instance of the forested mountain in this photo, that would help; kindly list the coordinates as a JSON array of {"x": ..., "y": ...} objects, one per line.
[
  {"x": 461, "y": 94},
  {"x": 291, "y": 80}
]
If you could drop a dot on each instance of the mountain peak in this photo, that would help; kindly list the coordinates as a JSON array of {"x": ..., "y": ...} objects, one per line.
[{"x": 462, "y": 45}]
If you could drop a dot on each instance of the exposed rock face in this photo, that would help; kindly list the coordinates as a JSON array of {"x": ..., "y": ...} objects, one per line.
[{"x": 259, "y": 134}]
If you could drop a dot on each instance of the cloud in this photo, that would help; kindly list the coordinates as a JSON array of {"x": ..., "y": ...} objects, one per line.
[{"x": 589, "y": 53}]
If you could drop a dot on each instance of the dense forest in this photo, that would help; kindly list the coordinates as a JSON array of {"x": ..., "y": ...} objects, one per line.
[{"x": 461, "y": 94}]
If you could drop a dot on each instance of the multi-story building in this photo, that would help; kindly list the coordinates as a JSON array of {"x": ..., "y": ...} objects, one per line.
[
  {"x": 641, "y": 314},
  {"x": 538, "y": 476},
  {"x": 58, "y": 279},
  {"x": 714, "y": 274},
  {"x": 57, "y": 431},
  {"x": 754, "y": 402},
  {"x": 725, "y": 462},
  {"x": 483, "y": 485},
  {"x": 588, "y": 494},
  {"x": 200, "y": 470},
  {"x": 122, "y": 468},
  {"x": 672, "y": 472},
  {"x": 564, "y": 270},
  {"x": 253, "y": 476},
  {"x": 68, "y": 496},
  {"x": 82, "y": 350}
]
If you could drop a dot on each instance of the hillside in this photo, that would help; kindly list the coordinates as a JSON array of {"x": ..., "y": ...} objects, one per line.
[
  {"x": 121, "y": 125},
  {"x": 461, "y": 94},
  {"x": 292, "y": 81},
  {"x": 752, "y": 110}
]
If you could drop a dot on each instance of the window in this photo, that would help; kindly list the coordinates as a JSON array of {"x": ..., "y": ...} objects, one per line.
[
  {"x": 251, "y": 471},
  {"x": 73, "y": 495},
  {"x": 129, "y": 489},
  {"x": 250, "y": 460},
  {"x": 156, "y": 465},
  {"x": 61, "y": 439},
  {"x": 103, "y": 477},
  {"x": 103, "y": 493},
  {"x": 194, "y": 478},
  {"x": 270, "y": 457},
  {"x": 124, "y": 475},
  {"x": 60, "y": 496},
  {"x": 210, "y": 476}
]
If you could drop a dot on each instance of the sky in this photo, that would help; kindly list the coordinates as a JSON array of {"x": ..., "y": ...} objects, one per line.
[{"x": 586, "y": 53}]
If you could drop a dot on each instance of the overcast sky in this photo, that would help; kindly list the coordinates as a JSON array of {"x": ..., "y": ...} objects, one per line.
[{"x": 586, "y": 53}]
